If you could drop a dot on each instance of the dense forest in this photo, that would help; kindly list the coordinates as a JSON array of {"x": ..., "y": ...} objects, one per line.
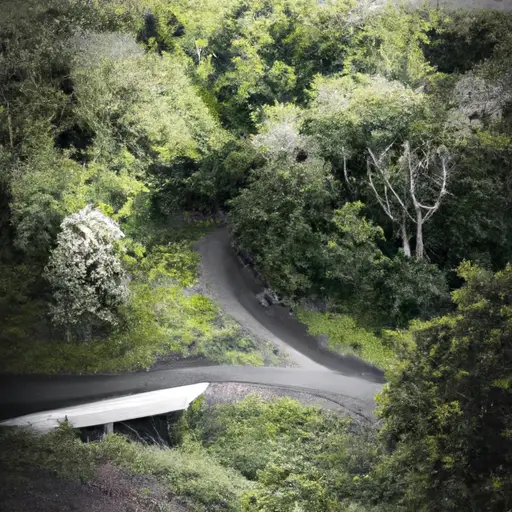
[{"x": 361, "y": 158}]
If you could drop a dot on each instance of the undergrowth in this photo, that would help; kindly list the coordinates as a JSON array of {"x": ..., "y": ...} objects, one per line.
[
  {"x": 189, "y": 471},
  {"x": 166, "y": 319},
  {"x": 347, "y": 337},
  {"x": 251, "y": 456}
]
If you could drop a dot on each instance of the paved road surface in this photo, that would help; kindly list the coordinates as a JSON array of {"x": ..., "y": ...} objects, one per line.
[
  {"x": 235, "y": 288},
  {"x": 21, "y": 395}
]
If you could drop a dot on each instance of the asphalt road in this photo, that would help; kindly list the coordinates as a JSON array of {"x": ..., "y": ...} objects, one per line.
[
  {"x": 345, "y": 380},
  {"x": 235, "y": 288},
  {"x": 21, "y": 395}
]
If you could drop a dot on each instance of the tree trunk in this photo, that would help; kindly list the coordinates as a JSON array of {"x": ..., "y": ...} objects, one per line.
[
  {"x": 405, "y": 238},
  {"x": 419, "y": 236},
  {"x": 88, "y": 332}
]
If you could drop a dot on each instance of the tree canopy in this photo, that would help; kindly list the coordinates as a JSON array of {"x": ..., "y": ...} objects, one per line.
[{"x": 359, "y": 155}]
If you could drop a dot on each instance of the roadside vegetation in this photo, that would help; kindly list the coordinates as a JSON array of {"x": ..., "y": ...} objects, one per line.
[
  {"x": 189, "y": 472},
  {"x": 229, "y": 457},
  {"x": 449, "y": 398},
  {"x": 164, "y": 320},
  {"x": 347, "y": 338},
  {"x": 360, "y": 158}
]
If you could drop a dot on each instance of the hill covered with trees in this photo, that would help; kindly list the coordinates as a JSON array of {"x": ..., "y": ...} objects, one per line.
[{"x": 363, "y": 160}]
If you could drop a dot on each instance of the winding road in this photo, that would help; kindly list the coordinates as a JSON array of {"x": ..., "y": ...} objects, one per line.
[
  {"x": 235, "y": 288},
  {"x": 344, "y": 380}
]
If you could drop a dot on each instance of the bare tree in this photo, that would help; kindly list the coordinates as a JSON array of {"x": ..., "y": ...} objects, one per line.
[{"x": 404, "y": 189}]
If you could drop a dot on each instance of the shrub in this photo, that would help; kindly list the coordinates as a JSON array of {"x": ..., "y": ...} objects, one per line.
[
  {"x": 411, "y": 289},
  {"x": 346, "y": 337},
  {"x": 302, "y": 458}
]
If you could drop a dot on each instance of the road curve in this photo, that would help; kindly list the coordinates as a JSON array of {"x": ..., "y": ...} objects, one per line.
[
  {"x": 347, "y": 380},
  {"x": 20, "y": 395},
  {"x": 235, "y": 288}
]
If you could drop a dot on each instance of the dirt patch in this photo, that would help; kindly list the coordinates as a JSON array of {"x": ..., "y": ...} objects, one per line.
[
  {"x": 232, "y": 392},
  {"x": 112, "y": 490}
]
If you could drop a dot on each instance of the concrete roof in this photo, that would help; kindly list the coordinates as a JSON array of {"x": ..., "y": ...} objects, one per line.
[{"x": 113, "y": 410}]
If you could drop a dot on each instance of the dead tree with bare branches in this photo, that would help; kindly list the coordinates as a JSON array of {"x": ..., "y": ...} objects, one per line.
[{"x": 405, "y": 187}]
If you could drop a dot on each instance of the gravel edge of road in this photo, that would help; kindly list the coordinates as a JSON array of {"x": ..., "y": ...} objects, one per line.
[{"x": 233, "y": 392}]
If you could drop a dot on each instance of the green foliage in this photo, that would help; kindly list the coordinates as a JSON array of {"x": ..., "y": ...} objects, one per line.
[
  {"x": 160, "y": 321},
  {"x": 40, "y": 192},
  {"x": 391, "y": 44},
  {"x": 160, "y": 111},
  {"x": 279, "y": 219},
  {"x": 176, "y": 262},
  {"x": 474, "y": 216},
  {"x": 459, "y": 42},
  {"x": 447, "y": 411},
  {"x": 244, "y": 436},
  {"x": 188, "y": 471},
  {"x": 126, "y": 105},
  {"x": 354, "y": 262},
  {"x": 300, "y": 457},
  {"x": 411, "y": 289},
  {"x": 60, "y": 451},
  {"x": 221, "y": 175},
  {"x": 348, "y": 114},
  {"x": 346, "y": 337},
  {"x": 264, "y": 53}
]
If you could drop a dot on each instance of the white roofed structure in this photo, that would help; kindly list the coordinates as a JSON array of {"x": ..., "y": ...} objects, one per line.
[{"x": 113, "y": 410}]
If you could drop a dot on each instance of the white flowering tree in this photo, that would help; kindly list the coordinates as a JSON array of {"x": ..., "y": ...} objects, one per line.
[{"x": 85, "y": 273}]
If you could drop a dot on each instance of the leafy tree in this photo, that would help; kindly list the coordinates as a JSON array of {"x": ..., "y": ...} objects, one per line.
[
  {"x": 280, "y": 218},
  {"x": 479, "y": 103},
  {"x": 391, "y": 42},
  {"x": 48, "y": 186},
  {"x": 446, "y": 412},
  {"x": 464, "y": 39},
  {"x": 84, "y": 272},
  {"x": 474, "y": 216},
  {"x": 409, "y": 289},
  {"x": 220, "y": 176},
  {"x": 269, "y": 51},
  {"x": 354, "y": 261},
  {"x": 43, "y": 189},
  {"x": 279, "y": 133},
  {"x": 348, "y": 114},
  {"x": 32, "y": 55},
  {"x": 145, "y": 104}
]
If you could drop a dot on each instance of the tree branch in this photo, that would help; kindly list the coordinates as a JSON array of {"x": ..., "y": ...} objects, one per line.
[
  {"x": 442, "y": 192},
  {"x": 378, "y": 165},
  {"x": 345, "y": 172},
  {"x": 385, "y": 207}
]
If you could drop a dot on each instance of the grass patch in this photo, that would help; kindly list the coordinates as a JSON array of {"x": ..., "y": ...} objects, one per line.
[
  {"x": 161, "y": 321},
  {"x": 346, "y": 337},
  {"x": 189, "y": 471}
]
